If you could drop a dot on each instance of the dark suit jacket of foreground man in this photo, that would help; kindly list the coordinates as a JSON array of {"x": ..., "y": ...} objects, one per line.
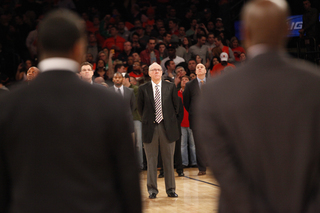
[
  {"x": 261, "y": 124},
  {"x": 65, "y": 146}
]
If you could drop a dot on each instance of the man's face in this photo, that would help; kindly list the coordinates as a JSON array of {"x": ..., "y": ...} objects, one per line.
[
  {"x": 86, "y": 72},
  {"x": 151, "y": 44},
  {"x": 130, "y": 60},
  {"x": 182, "y": 31},
  {"x": 306, "y": 5},
  {"x": 172, "y": 65},
  {"x": 210, "y": 25},
  {"x": 184, "y": 80},
  {"x": 127, "y": 46},
  {"x": 137, "y": 23},
  {"x": 117, "y": 79},
  {"x": 92, "y": 38},
  {"x": 201, "y": 69},
  {"x": 210, "y": 39},
  {"x": 171, "y": 52},
  {"x": 159, "y": 24},
  {"x": 219, "y": 24},
  {"x": 136, "y": 66},
  {"x": 136, "y": 56},
  {"x": 32, "y": 73},
  {"x": 133, "y": 81},
  {"x": 135, "y": 38},
  {"x": 89, "y": 57},
  {"x": 192, "y": 65},
  {"x": 120, "y": 25},
  {"x": 121, "y": 69},
  {"x": 167, "y": 38},
  {"x": 217, "y": 42},
  {"x": 194, "y": 22},
  {"x": 113, "y": 31},
  {"x": 103, "y": 56},
  {"x": 171, "y": 25},
  {"x": 155, "y": 73},
  {"x": 202, "y": 40}
]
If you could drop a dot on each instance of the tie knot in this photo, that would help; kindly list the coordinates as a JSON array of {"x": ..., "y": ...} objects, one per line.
[{"x": 202, "y": 82}]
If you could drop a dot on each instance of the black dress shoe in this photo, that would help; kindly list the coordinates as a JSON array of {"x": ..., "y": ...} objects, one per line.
[
  {"x": 152, "y": 195},
  {"x": 161, "y": 175},
  {"x": 172, "y": 194},
  {"x": 180, "y": 174}
]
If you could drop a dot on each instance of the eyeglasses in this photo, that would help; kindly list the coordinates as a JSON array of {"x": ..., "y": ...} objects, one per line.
[{"x": 154, "y": 70}]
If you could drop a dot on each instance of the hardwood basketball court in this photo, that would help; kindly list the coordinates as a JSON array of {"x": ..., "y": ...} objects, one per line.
[{"x": 196, "y": 194}]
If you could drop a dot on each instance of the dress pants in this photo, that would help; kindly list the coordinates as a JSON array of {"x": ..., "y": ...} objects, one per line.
[
  {"x": 177, "y": 158},
  {"x": 200, "y": 152},
  {"x": 138, "y": 140},
  {"x": 167, "y": 151}
]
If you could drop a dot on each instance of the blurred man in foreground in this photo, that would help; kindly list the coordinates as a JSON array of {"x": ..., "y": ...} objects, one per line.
[
  {"x": 261, "y": 123},
  {"x": 70, "y": 153}
]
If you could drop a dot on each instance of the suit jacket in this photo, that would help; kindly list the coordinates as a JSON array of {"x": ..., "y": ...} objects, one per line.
[
  {"x": 129, "y": 97},
  {"x": 170, "y": 109},
  {"x": 66, "y": 147},
  {"x": 261, "y": 125},
  {"x": 191, "y": 96}
]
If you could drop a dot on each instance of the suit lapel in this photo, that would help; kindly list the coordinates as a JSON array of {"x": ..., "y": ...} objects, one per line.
[
  {"x": 196, "y": 86},
  {"x": 150, "y": 94}
]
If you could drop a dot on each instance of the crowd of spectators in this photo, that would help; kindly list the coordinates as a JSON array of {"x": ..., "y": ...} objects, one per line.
[{"x": 127, "y": 39}]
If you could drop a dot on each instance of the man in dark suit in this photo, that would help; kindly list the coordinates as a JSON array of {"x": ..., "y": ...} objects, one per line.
[
  {"x": 191, "y": 97},
  {"x": 261, "y": 122},
  {"x": 125, "y": 92},
  {"x": 65, "y": 144},
  {"x": 158, "y": 105}
]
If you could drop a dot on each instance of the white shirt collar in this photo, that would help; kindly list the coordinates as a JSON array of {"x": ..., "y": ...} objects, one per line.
[
  {"x": 154, "y": 84},
  {"x": 57, "y": 63},
  {"x": 116, "y": 89}
]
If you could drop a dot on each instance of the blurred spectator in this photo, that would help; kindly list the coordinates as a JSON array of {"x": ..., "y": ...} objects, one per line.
[
  {"x": 133, "y": 81},
  {"x": 210, "y": 27},
  {"x": 136, "y": 14},
  {"x": 136, "y": 72},
  {"x": 210, "y": 44},
  {"x": 187, "y": 19},
  {"x": 101, "y": 81},
  {"x": 127, "y": 51},
  {"x": 136, "y": 57},
  {"x": 156, "y": 29},
  {"x": 143, "y": 39},
  {"x": 93, "y": 47},
  {"x": 163, "y": 53},
  {"x": 136, "y": 46},
  {"x": 32, "y": 73},
  {"x": 91, "y": 60},
  {"x": 201, "y": 49},
  {"x": 181, "y": 34},
  {"x": 31, "y": 43},
  {"x": 214, "y": 61},
  {"x": 102, "y": 72},
  {"x": 166, "y": 38},
  {"x": 243, "y": 58},
  {"x": 236, "y": 49},
  {"x": 187, "y": 141},
  {"x": 228, "y": 50},
  {"x": 89, "y": 24},
  {"x": 173, "y": 27},
  {"x": 119, "y": 68},
  {"x": 216, "y": 70},
  {"x": 193, "y": 76},
  {"x": 148, "y": 30},
  {"x": 122, "y": 31},
  {"x": 220, "y": 28},
  {"x": 180, "y": 51},
  {"x": 150, "y": 15},
  {"x": 171, "y": 56},
  {"x": 150, "y": 55},
  {"x": 192, "y": 66},
  {"x": 3, "y": 80},
  {"x": 198, "y": 59},
  {"x": 21, "y": 74},
  {"x": 207, "y": 16},
  {"x": 310, "y": 21},
  {"x": 186, "y": 43},
  {"x": 129, "y": 66},
  {"x": 136, "y": 122},
  {"x": 162, "y": 34},
  {"x": 190, "y": 32},
  {"x": 115, "y": 42},
  {"x": 170, "y": 67},
  {"x": 86, "y": 72}
]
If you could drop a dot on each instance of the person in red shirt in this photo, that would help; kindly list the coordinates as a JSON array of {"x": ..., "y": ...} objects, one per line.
[
  {"x": 136, "y": 72},
  {"x": 114, "y": 42},
  {"x": 186, "y": 132},
  {"x": 236, "y": 49},
  {"x": 150, "y": 55},
  {"x": 218, "y": 68}
]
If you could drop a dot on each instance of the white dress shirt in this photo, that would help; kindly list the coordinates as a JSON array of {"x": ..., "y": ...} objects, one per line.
[
  {"x": 56, "y": 63},
  {"x": 121, "y": 89}
]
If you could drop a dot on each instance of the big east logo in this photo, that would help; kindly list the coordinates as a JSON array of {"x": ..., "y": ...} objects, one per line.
[{"x": 295, "y": 24}]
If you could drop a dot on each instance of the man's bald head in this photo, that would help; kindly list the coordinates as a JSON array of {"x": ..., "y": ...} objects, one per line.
[{"x": 265, "y": 22}]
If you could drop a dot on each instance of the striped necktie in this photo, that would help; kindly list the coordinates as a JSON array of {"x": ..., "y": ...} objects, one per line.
[{"x": 157, "y": 101}]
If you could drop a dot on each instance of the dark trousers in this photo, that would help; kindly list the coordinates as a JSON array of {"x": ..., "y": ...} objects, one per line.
[{"x": 200, "y": 152}]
